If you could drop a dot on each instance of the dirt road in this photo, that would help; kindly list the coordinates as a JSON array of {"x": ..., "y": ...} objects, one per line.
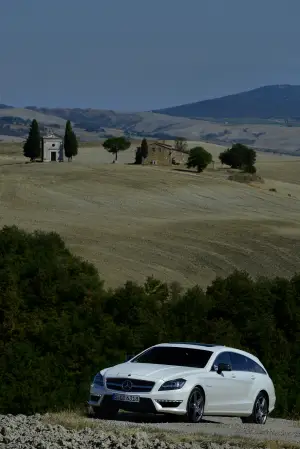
[{"x": 274, "y": 429}]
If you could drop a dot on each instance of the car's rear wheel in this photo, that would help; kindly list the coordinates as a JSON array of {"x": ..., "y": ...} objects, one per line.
[
  {"x": 195, "y": 405},
  {"x": 107, "y": 412},
  {"x": 260, "y": 410}
]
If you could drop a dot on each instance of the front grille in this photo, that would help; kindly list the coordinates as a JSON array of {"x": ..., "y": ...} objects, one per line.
[
  {"x": 129, "y": 385},
  {"x": 145, "y": 405}
]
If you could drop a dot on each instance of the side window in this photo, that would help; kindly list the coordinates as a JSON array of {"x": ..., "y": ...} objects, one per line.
[
  {"x": 256, "y": 368},
  {"x": 239, "y": 362},
  {"x": 250, "y": 365},
  {"x": 224, "y": 357}
]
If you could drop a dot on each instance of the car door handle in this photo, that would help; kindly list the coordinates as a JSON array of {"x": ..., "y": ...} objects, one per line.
[
  {"x": 253, "y": 377},
  {"x": 233, "y": 376}
]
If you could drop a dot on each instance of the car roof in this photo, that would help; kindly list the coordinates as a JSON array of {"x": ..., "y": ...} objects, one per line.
[
  {"x": 205, "y": 346},
  {"x": 215, "y": 348}
]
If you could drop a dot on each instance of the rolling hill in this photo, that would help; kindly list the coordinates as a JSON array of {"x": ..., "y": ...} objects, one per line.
[
  {"x": 267, "y": 102},
  {"x": 267, "y": 118}
]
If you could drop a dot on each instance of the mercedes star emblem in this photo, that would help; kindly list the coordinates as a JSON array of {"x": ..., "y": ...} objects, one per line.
[{"x": 127, "y": 385}]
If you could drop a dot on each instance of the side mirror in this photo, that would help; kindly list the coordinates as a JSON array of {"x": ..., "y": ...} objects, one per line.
[
  {"x": 129, "y": 357},
  {"x": 223, "y": 367}
]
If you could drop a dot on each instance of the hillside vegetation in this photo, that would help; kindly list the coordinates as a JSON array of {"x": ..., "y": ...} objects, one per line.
[{"x": 59, "y": 325}]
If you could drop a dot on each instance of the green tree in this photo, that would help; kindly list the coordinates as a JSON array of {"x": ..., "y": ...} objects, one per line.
[
  {"x": 199, "y": 158},
  {"x": 32, "y": 146},
  {"x": 230, "y": 158},
  {"x": 144, "y": 148},
  {"x": 141, "y": 152},
  {"x": 70, "y": 142},
  {"x": 138, "y": 156},
  {"x": 115, "y": 144},
  {"x": 52, "y": 326},
  {"x": 239, "y": 156}
]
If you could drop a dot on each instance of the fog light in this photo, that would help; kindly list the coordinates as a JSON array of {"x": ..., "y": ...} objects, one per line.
[
  {"x": 165, "y": 403},
  {"x": 95, "y": 397}
]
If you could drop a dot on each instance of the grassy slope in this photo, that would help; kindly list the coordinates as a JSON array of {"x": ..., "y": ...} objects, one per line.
[
  {"x": 134, "y": 221},
  {"x": 27, "y": 114}
]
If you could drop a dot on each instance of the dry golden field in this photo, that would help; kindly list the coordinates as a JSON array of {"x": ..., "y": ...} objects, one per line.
[{"x": 137, "y": 221}]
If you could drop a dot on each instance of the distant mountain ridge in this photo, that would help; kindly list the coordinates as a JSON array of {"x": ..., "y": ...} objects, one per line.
[
  {"x": 267, "y": 118},
  {"x": 281, "y": 101}
]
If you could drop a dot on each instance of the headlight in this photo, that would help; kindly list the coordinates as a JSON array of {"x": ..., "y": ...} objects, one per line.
[
  {"x": 98, "y": 380},
  {"x": 172, "y": 385}
]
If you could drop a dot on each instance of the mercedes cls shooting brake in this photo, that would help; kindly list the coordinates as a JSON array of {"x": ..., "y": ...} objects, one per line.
[{"x": 189, "y": 379}]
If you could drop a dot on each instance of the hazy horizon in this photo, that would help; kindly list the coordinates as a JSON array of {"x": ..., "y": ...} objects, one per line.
[{"x": 129, "y": 56}]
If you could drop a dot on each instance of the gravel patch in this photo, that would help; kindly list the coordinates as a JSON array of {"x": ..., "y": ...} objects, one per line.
[
  {"x": 18, "y": 432},
  {"x": 45, "y": 432}
]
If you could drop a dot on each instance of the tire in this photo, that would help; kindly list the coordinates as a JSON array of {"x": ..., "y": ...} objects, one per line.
[
  {"x": 195, "y": 405},
  {"x": 105, "y": 413},
  {"x": 260, "y": 411}
]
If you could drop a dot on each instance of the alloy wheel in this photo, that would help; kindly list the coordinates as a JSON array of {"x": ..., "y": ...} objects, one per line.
[
  {"x": 195, "y": 406},
  {"x": 261, "y": 409}
]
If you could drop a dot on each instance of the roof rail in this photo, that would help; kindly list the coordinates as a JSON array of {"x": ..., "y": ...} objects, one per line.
[{"x": 209, "y": 345}]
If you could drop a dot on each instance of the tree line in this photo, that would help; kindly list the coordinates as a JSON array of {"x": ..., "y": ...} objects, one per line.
[
  {"x": 59, "y": 325},
  {"x": 238, "y": 156},
  {"x": 32, "y": 147}
]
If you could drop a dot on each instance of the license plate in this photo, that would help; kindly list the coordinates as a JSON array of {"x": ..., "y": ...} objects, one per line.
[{"x": 125, "y": 398}]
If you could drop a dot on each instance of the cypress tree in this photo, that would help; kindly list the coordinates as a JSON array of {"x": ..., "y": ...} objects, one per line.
[
  {"x": 32, "y": 146},
  {"x": 70, "y": 142},
  {"x": 144, "y": 148}
]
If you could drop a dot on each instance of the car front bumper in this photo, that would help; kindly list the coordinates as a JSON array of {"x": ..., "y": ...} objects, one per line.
[{"x": 172, "y": 401}]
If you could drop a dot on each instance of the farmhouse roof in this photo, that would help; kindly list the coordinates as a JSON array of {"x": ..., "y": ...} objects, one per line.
[
  {"x": 52, "y": 136},
  {"x": 168, "y": 147}
]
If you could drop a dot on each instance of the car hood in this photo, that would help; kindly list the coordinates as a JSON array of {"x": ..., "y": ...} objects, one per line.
[{"x": 147, "y": 370}]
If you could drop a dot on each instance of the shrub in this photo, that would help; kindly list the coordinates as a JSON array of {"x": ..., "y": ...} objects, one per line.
[
  {"x": 250, "y": 169},
  {"x": 245, "y": 177}
]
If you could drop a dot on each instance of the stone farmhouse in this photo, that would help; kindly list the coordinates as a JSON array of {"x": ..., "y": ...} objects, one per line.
[
  {"x": 160, "y": 153},
  {"x": 52, "y": 148}
]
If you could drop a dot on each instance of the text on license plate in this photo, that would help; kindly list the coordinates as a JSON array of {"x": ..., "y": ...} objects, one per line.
[{"x": 125, "y": 398}]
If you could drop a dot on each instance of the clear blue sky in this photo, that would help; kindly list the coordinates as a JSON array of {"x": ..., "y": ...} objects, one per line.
[{"x": 138, "y": 54}]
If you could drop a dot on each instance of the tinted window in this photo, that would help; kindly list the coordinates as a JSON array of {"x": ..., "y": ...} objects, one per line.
[
  {"x": 224, "y": 357},
  {"x": 239, "y": 362},
  {"x": 176, "y": 356},
  {"x": 242, "y": 363},
  {"x": 259, "y": 369},
  {"x": 255, "y": 367}
]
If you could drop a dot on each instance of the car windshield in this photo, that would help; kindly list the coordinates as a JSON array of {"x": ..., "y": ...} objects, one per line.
[{"x": 176, "y": 356}]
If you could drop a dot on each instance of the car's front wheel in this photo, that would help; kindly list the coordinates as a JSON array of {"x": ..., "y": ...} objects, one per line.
[
  {"x": 195, "y": 405},
  {"x": 260, "y": 410},
  {"x": 109, "y": 412}
]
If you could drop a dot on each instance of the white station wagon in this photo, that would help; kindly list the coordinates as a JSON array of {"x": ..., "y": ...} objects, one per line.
[{"x": 191, "y": 379}]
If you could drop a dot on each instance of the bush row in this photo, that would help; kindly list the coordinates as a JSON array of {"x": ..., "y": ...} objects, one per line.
[{"x": 59, "y": 325}]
